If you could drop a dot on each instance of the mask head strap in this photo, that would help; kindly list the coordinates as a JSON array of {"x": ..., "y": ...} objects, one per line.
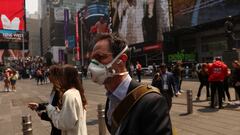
[{"x": 110, "y": 64}]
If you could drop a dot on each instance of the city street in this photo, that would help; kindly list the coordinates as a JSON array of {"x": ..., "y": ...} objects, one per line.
[
  {"x": 192, "y": 38},
  {"x": 203, "y": 121}
]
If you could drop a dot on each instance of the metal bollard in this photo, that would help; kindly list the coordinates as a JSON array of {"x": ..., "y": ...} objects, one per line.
[
  {"x": 80, "y": 76},
  {"x": 27, "y": 125},
  {"x": 101, "y": 120},
  {"x": 189, "y": 102}
]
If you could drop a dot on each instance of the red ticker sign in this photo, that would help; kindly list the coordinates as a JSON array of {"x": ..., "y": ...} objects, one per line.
[{"x": 157, "y": 46}]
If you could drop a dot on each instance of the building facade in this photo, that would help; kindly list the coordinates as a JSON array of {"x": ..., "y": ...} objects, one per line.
[
  {"x": 33, "y": 27},
  {"x": 199, "y": 30},
  {"x": 54, "y": 30}
]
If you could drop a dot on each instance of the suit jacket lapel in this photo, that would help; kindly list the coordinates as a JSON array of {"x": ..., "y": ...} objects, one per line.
[{"x": 133, "y": 84}]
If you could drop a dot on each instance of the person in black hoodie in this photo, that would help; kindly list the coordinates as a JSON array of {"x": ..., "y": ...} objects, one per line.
[
  {"x": 164, "y": 81},
  {"x": 203, "y": 78},
  {"x": 55, "y": 73},
  {"x": 236, "y": 77}
]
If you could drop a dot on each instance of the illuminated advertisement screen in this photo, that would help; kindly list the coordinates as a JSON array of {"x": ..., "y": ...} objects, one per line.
[
  {"x": 187, "y": 13},
  {"x": 96, "y": 18},
  {"x": 11, "y": 36},
  {"x": 135, "y": 20},
  {"x": 12, "y": 39},
  {"x": 12, "y": 14}
]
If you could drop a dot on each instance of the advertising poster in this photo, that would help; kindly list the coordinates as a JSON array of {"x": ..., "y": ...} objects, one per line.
[
  {"x": 94, "y": 19},
  {"x": 59, "y": 14},
  {"x": 187, "y": 13},
  {"x": 135, "y": 20},
  {"x": 12, "y": 14}
]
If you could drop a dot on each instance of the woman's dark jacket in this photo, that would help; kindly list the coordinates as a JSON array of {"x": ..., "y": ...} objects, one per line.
[
  {"x": 203, "y": 77},
  {"x": 44, "y": 115}
]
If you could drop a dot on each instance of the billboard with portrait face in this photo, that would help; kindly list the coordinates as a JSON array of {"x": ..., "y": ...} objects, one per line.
[
  {"x": 135, "y": 20},
  {"x": 12, "y": 14},
  {"x": 187, "y": 13},
  {"x": 96, "y": 17}
]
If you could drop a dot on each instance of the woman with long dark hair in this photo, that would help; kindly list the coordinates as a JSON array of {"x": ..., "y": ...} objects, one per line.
[
  {"x": 55, "y": 74},
  {"x": 71, "y": 119}
]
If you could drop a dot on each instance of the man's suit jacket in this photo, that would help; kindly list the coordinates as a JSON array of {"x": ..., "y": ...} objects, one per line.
[
  {"x": 149, "y": 116},
  {"x": 159, "y": 82}
]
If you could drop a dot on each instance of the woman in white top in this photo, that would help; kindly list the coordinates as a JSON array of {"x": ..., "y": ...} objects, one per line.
[{"x": 71, "y": 119}]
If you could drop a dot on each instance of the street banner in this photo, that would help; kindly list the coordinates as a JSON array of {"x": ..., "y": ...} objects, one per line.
[
  {"x": 66, "y": 27},
  {"x": 61, "y": 57},
  {"x": 71, "y": 41},
  {"x": 12, "y": 14},
  {"x": 77, "y": 39}
]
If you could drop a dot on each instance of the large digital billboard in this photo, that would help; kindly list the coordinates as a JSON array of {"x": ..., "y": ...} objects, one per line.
[
  {"x": 187, "y": 13},
  {"x": 135, "y": 20},
  {"x": 12, "y": 14},
  {"x": 96, "y": 17}
]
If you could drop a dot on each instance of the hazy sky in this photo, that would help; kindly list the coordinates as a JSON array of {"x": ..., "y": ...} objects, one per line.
[{"x": 31, "y": 5}]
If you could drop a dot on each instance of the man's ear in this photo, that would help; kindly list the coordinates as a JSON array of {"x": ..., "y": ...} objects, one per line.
[{"x": 124, "y": 57}]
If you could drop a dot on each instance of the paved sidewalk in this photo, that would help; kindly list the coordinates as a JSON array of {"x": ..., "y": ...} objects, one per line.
[{"x": 203, "y": 121}]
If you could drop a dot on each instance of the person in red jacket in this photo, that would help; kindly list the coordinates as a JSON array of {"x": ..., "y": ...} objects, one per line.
[{"x": 217, "y": 73}]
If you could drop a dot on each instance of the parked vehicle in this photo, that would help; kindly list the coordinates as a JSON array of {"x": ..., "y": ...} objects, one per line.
[{"x": 147, "y": 71}]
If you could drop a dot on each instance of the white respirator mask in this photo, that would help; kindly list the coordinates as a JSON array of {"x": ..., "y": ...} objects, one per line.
[{"x": 100, "y": 72}]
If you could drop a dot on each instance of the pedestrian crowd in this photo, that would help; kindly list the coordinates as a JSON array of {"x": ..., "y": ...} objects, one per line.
[
  {"x": 215, "y": 76},
  {"x": 218, "y": 78},
  {"x": 31, "y": 68}
]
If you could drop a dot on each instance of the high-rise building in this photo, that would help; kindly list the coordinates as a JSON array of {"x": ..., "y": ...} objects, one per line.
[
  {"x": 53, "y": 38},
  {"x": 199, "y": 30},
  {"x": 73, "y": 6},
  {"x": 33, "y": 27}
]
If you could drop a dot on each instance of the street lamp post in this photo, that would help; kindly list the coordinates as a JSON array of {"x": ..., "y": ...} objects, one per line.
[
  {"x": 81, "y": 32},
  {"x": 77, "y": 39},
  {"x": 229, "y": 33},
  {"x": 232, "y": 52},
  {"x": 23, "y": 44}
]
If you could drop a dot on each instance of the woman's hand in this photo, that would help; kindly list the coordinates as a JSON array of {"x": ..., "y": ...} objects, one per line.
[
  {"x": 33, "y": 106},
  {"x": 39, "y": 113}
]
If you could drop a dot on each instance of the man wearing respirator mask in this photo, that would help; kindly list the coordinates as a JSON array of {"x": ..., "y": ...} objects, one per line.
[{"x": 108, "y": 68}]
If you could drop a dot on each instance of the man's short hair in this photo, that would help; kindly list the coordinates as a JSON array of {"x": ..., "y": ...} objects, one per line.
[
  {"x": 116, "y": 42},
  {"x": 218, "y": 58},
  {"x": 163, "y": 66}
]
